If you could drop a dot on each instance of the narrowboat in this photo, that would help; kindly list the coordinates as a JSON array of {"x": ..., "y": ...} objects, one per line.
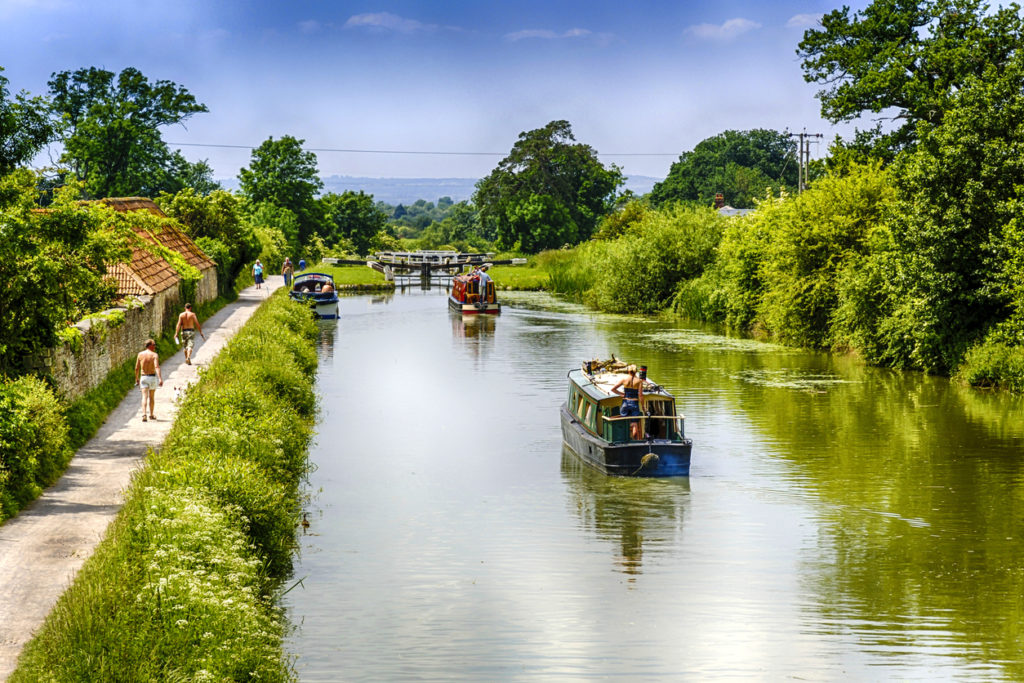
[
  {"x": 317, "y": 290},
  {"x": 593, "y": 429},
  {"x": 466, "y": 297}
]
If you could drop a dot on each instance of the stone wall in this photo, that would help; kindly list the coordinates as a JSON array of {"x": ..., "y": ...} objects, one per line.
[{"x": 107, "y": 340}]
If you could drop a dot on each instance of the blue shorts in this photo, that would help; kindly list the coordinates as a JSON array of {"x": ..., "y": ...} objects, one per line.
[{"x": 629, "y": 407}]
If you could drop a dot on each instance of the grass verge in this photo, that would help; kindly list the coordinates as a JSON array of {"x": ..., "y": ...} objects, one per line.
[{"x": 184, "y": 586}]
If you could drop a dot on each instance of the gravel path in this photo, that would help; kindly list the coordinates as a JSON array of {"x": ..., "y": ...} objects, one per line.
[{"x": 43, "y": 548}]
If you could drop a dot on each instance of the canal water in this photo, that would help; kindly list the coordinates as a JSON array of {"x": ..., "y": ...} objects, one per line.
[{"x": 839, "y": 522}]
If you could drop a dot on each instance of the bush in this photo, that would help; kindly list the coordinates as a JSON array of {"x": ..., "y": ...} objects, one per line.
[{"x": 34, "y": 446}]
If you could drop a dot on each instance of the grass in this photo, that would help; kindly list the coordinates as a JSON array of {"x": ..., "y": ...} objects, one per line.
[
  {"x": 185, "y": 584},
  {"x": 353, "y": 277},
  {"x": 529, "y": 277}
]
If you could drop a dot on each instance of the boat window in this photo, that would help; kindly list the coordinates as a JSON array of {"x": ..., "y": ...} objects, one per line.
[{"x": 590, "y": 413}]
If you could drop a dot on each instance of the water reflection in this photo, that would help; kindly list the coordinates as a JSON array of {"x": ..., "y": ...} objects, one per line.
[
  {"x": 629, "y": 513},
  {"x": 845, "y": 522}
]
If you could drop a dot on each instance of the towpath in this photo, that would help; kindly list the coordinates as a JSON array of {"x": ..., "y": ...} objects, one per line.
[{"x": 43, "y": 548}]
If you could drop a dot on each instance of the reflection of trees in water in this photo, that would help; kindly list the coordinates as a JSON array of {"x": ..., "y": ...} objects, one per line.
[
  {"x": 919, "y": 487},
  {"x": 629, "y": 512}
]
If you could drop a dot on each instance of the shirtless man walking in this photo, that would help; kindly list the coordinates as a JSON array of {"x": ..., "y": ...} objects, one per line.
[
  {"x": 188, "y": 325},
  {"x": 147, "y": 364}
]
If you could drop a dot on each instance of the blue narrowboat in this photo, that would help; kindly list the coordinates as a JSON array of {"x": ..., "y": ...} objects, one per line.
[{"x": 593, "y": 429}]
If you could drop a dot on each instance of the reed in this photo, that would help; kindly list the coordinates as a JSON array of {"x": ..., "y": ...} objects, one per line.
[{"x": 184, "y": 585}]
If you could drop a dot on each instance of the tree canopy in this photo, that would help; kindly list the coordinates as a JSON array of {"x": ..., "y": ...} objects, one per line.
[
  {"x": 741, "y": 165},
  {"x": 354, "y": 217},
  {"x": 111, "y": 128},
  {"x": 25, "y": 127},
  {"x": 904, "y": 60},
  {"x": 549, "y": 191},
  {"x": 283, "y": 174}
]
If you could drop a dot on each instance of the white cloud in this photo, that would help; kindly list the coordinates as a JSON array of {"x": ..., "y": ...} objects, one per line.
[
  {"x": 804, "y": 21},
  {"x": 726, "y": 31},
  {"x": 545, "y": 34},
  {"x": 386, "y": 21}
]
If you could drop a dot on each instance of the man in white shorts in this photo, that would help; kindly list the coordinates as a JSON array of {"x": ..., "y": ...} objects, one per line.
[{"x": 148, "y": 376}]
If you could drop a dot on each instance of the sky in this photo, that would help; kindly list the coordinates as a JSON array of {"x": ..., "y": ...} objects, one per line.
[{"x": 385, "y": 88}]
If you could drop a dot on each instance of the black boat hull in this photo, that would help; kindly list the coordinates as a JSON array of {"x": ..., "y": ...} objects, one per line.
[{"x": 671, "y": 458}]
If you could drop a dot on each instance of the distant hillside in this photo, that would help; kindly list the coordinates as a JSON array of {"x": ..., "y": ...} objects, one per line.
[{"x": 408, "y": 190}]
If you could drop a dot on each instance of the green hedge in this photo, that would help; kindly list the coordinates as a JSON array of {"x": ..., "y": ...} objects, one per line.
[
  {"x": 184, "y": 586},
  {"x": 34, "y": 447}
]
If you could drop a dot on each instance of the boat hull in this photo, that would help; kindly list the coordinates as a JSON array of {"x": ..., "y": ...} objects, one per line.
[
  {"x": 469, "y": 309},
  {"x": 626, "y": 459},
  {"x": 326, "y": 310}
]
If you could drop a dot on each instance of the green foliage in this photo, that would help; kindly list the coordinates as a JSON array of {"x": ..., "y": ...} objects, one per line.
[
  {"x": 574, "y": 272},
  {"x": 183, "y": 585},
  {"x": 282, "y": 174},
  {"x": 217, "y": 222},
  {"x": 548, "y": 192},
  {"x": 25, "y": 127},
  {"x": 742, "y": 165},
  {"x": 112, "y": 130},
  {"x": 811, "y": 241},
  {"x": 994, "y": 364},
  {"x": 953, "y": 272},
  {"x": 33, "y": 442},
  {"x": 641, "y": 270},
  {"x": 353, "y": 217},
  {"x": 906, "y": 58},
  {"x": 52, "y": 264}
]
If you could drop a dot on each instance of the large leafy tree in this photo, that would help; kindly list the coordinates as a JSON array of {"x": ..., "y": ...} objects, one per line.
[
  {"x": 549, "y": 191},
  {"x": 25, "y": 127},
  {"x": 283, "y": 174},
  {"x": 112, "y": 138},
  {"x": 742, "y": 165},
  {"x": 903, "y": 61},
  {"x": 954, "y": 270},
  {"x": 354, "y": 216},
  {"x": 52, "y": 265}
]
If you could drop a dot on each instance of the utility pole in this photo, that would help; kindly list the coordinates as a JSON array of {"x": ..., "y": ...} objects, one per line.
[{"x": 804, "y": 158}]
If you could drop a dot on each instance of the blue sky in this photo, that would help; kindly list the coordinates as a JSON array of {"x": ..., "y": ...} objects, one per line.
[{"x": 633, "y": 78}]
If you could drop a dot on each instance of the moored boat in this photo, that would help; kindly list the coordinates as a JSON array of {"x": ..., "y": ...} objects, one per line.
[
  {"x": 593, "y": 429},
  {"x": 316, "y": 290},
  {"x": 467, "y": 298}
]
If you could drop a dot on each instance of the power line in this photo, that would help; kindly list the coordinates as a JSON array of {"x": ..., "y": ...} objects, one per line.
[{"x": 409, "y": 151}]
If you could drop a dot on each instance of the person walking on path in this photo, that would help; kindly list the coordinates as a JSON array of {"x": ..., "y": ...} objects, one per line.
[
  {"x": 287, "y": 269},
  {"x": 302, "y": 264},
  {"x": 148, "y": 376},
  {"x": 257, "y": 273},
  {"x": 188, "y": 325}
]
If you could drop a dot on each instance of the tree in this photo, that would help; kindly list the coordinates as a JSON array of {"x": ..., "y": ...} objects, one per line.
[
  {"x": 954, "y": 270},
  {"x": 742, "y": 165},
  {"x": 354, "y": 217},
  {"x": 217, "y": 223},
  {"x": 25, "y": 127},
  {"x": 283, "y": 174},
  {"x": 904, "y": 59},
  {"x": 112, "y": 129},
  {"x": 547, "y": 192},
  {"x": 65, "y": 248}
]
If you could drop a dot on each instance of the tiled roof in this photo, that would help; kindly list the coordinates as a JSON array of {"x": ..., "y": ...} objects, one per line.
[{"x": 146, "y": 271}]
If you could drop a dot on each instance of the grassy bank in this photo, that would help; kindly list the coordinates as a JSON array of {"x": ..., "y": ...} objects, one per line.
[
  {"x": 184, "y": 585},
  {"x": 353, "y": 277}
]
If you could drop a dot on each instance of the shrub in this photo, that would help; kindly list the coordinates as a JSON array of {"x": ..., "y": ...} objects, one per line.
[{"x": 33, "y": 442}]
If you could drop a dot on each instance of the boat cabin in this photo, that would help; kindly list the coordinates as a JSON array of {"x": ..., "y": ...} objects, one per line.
[{"x": 596, "y": 408}]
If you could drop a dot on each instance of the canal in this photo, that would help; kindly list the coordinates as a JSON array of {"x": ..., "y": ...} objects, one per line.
[{"x": 839, "y": 521}]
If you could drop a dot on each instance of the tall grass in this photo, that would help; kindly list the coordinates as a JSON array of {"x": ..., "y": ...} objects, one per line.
[{"x": 184, "y": 585}]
